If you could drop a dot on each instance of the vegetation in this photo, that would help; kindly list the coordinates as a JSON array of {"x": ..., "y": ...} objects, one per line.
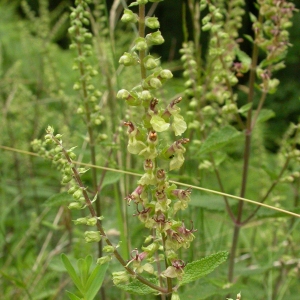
[{"x": 124, "y": 174}]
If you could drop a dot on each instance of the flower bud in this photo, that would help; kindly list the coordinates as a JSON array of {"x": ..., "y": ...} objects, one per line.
[
  {"x": 92, "y": 236},
  {"x": 150, "y": 62},
  {"x": 146, "y": 95},
  {"x": 75, "y": 205},
  {"x": 155, "y": 83},
  {"x": 104, "y": 259},
  {"x": 152, "y": 22},
  {"x": 108, "y": 249},
  {"x": 140, "y": 44},
  {"x": 128, "y": 59},
  {"x": 129, "y": 16},
  {"x": 166, "y": 74},
  {"x": 80, "y": 221},
  {"x": 155, "y": 38}
]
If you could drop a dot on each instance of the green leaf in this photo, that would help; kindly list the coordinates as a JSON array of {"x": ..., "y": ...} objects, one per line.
[
  {"x": 73, "y": 296},
  {"x": 243, "y": 57},
  {"x": 59, "y": 199},
  {"x": 95, "y": 281},
  {"x": 202, "y": 267},
  {"x": 138, "y": 288},
  {"x": 253, "y": 18},
  {"x": 110, "y": 178},
  {"x": 249, "y": 38},
  {"x": 210, "y": 202},
  {"x": 72, "y": 272},
  {"x": 84, "y": 267},
  {"x": 265, "y": 115},
  {"x": 245, "y": 108},
  {"x": 219, "y": 139},
  {"x": 19, "y": 283}
]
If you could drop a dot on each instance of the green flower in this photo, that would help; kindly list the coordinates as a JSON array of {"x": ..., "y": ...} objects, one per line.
[
  {"x": 92, "y": 236},
  {"x": 159, "y": 124}
]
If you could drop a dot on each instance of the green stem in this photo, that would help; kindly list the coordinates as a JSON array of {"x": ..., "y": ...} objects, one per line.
[{"x": 142, "y": 53}]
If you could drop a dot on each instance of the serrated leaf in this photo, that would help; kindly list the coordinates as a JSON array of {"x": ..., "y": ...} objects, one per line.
[
  {"x": 219, "y": 139},
  {"x": 71, "y": 271},
  {"x": 59, "y": 199},
  {"x": 72, "y": 296},
  {"x": 110, "y": 178},
  {"x": 138, "y": 288},
  {"x": 95, "y": 281},
  {"x": 245, "y": 108},
  {"x": 202, "y": 267}
]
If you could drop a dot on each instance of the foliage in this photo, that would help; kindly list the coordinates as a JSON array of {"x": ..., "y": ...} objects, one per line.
[{"x": 210, "y": 127}]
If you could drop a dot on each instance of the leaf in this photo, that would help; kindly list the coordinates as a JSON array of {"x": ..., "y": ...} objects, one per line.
[
  {"x": 249, "y": 38},
  {"x": 210, "y": 202},
  {"x": 243, "y": 57},
  {"x": 59, "y": 199},
  {"x": 110, "y": 178},
  {"x": 202, "y": 267},
  {"x": 72, "y": 272},
  {"x": 95, "y": 281},
  {"x": 253, "y": 18},
  {"x": 245, "y": 108},
  {"x": 138, "y": 288},
  {"x": 265, "y": 115},
  {"x": 219, "y": 139},
  {"x": 19, "y": 283},
  {"x": 73, "y": 296}
]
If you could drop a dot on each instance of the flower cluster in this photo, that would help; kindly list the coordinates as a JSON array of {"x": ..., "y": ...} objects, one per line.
[
  {"x": 63, "y": 159},
  {"x": 272, "y": 36},
  {"x": 88, "y": 108},
  {"x": 157, "y": 201}
]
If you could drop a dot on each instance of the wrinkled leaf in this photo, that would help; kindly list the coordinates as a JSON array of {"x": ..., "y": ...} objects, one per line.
[
  {"x": 59, "y": 199},
  {"x": 202, "y": 267},
  {"x": 219, "y": 139},
  {"x": 136, "y": 287}
]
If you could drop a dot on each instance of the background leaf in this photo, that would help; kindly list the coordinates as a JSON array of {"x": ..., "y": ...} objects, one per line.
[
  {"x": 219, "y": 139},
  {"x": 138, "y": 288},
  {"x": 95, "y": 281},
  {"x": 59, "y": 199},
  {"x": 72, "y": 272},
  {"x": 202, "y": 267},
  {"x": 110, "y": 178}
]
